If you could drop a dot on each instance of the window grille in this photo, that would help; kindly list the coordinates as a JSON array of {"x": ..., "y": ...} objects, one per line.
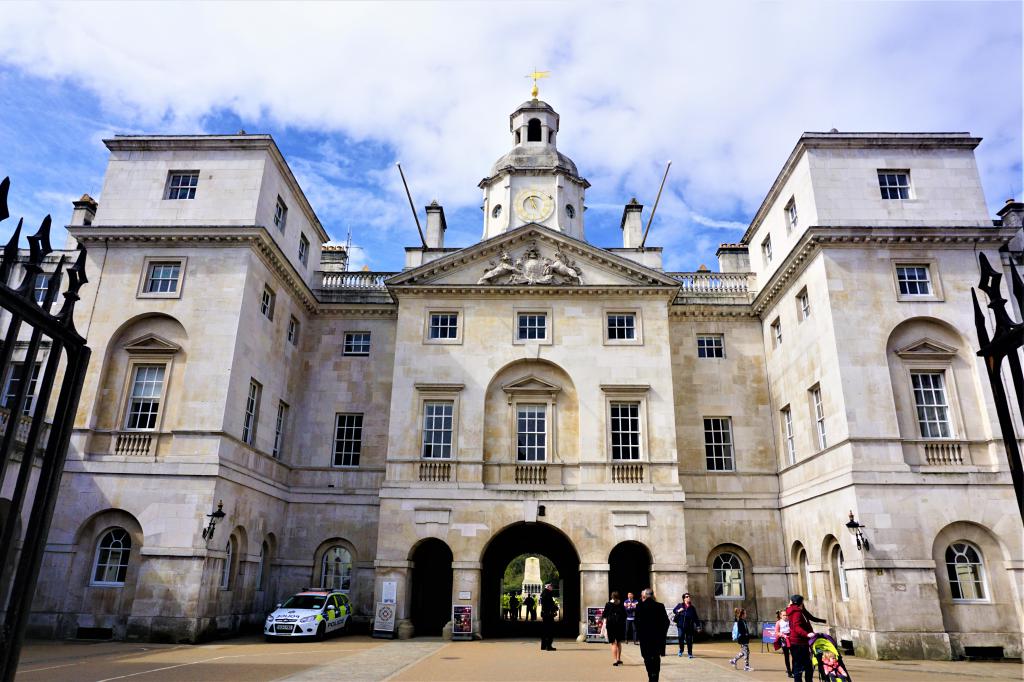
[
  {"x": 15, "y": 375},
  {"x": 894, "y": 184},
  {"x": 112, "y": 552},
  {"x": 532, "y": 326},
  {"x": 280, "y": 214},
  {"x": 718, "y": 450},
  {"x": 279, "y": 426},
  {"x": 444, "y": 325},
  {"x": 293, "y": 331},
  {"x": 966, "y": 572},
  {"x": 251, "y": 418},
  {"x": 348, "y": 439},
  {"x": 437, "y": 429},
  {"x": 144, "y": 402},
  {"x": 531, "y": 433},
  {"x": 819, "y": 417},
  {"x": 710, "y": 346},
  {"x": 728, "y": 570},
  {"x": 787, "y": 428},
  {"x": 40, "y": 287},
  {"x": 625, "y": 430},
  {"x": 303, "y": 249},
  {"x": 182, "y": 185},
  {"x": 621, "y": 326},
  {"x": 267, "y": 303},
  {"x": 914, "y": 280},
  {"x": 932, "y": 409},
  {"x": 336, "y": 569},
  {"x": 163, "y": 277},
  {"x": 357, "y": 343}
]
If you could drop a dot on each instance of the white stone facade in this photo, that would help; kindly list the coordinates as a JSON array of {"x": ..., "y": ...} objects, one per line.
[{"x": 745, "y": 519}]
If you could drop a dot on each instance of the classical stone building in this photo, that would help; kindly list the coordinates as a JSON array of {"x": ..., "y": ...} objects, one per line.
[{"x": 534, "y": 392}]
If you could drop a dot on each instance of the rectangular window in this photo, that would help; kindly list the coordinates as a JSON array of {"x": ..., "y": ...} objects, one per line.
[
  {"x": 766, "y": 249},
  {"x": 819, "y": 417},
  {"x": 532, "y": 326},
  {"x": 279, "y": 426},
  {"x": 280, "y": 214},
  {"x": 777, "y": 332},
  {"x": 15, "y": 375},
  {"x": 267, "y": 303},
  {"x": 787, "y": 434},
  {"x": 303, "y": 249},
  {"x": 803, "y": 304},
  {"x": 252, "y": 412},
  {"x": 437, "y": 429},
  {"x": 182, "y": 184},
  {"x": 348, "y": 439},
  {"x": 444, "y": 326},
  {"x": 894, "y": 184},
  {"x": 718, "y": 443},
  {"x": 791, "y": 217},
  {"x": 531, "y": 433},
  {"x": 621, "y": 326},
  {"x": 293, "y": 331},
  {"x": 357, "y": 343},
  {"x": 914, "y": 280},
  {"x": 710, "y": 346},
  {"x": 40, "y": 287},
  {"x": 162, "y": 277},
  {"x": 930, "y": 400},
  {"x": 144, "y": 399},
  {"x": 625, "y": 430}
]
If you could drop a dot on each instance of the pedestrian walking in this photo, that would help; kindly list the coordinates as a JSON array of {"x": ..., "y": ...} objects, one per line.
[
  {"x": 548, "y": 611},
  {"x": 531, "y": 607},
  {"x": 652, "y": 621},
  {"x": 741, "y": 635},
  {"x": 513, "y": 606},
  {"x": 782, "y": 639},
  {"x": 630, "y": 605},
  {"x": 613, "y": 622},
  {"x": 799, "y": 630},
  {"x": 685, "y": 616}
]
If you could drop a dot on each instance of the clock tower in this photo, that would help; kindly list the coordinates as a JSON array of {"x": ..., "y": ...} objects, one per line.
[{"x": 534, "y": 182}]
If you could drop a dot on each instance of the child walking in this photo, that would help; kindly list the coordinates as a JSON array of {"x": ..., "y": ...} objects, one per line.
[{"x": 741, "y": 635}]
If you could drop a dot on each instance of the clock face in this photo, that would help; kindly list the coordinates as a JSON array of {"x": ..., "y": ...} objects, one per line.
[{"x": 533, "y": 205}]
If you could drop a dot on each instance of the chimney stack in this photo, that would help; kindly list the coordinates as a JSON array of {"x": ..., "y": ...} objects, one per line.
[
  {"x": 85, "y": 210},
  {"x": 436, "y": 226},
  {"x": 632, "y": 225},
  {"x": 1012, "y": 214},
  {"x": 733, "y": 258}
]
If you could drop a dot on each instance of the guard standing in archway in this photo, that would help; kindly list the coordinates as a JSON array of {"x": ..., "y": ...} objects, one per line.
[{"x": 548, "y": 610}]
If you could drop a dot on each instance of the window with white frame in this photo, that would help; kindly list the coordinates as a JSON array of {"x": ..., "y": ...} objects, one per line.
[
  {"x": 293, "y": 331},
  {"x": 621, "y": 326},
  {"x": 787, "y": 435},
  {"x": 110, "y": 565},
  {"x": 444, "y": 325},
  {"x": 728, "y": 570},
  {"x": 532, "y": 326},
  {"x": 303, "y": 249},
  {"x": 225, "y": 571},
  {"x": 839, "y": 566},
  {"x": 914, "y": 280},
  {"x": 966, "y": 572},
  {"x": 531, "y": 432},
  {"x": 791, "y": 216},
  {"x": 894, "y": 184},
  {"x": 718, "y": 452},
  {"x": 356, "y": 343},
  {"x": 930, "y": 401},
  {"x": 162, "y": 277},
  {"x": 625, "y": 430},
  {"x": 437, "y": 429},
  {"x": 818, "y": 409},
  {"x": 336, "y": 569},
  {"x": 803, "y": 304},
  {"x": 766, "y": 250},
  {"x": 182, "y": 184},
  {"x": 145, "y": 396},
  {"x": 267, "y": 302},
  {"x": 280, "y": 214},
  {"x": 15, "y": 375},
  {"x": 710, "y": 346},
  {"x": 279, "y": 426},
  {"x": 40, "y": 287},
  {"x": 776, "y": 328},
  {"x": 250, "y": 420},
  {"x": 348, "y": 439}
]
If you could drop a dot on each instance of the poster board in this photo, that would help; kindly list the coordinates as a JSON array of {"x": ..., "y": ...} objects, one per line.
[
  {"x": 384, "y": 620},
  {"x": 767, "y": 635},
  {"x": 672, "y": 636},
  {"x": 594, "y": 614},
  {"x": 462, "y": 622}
]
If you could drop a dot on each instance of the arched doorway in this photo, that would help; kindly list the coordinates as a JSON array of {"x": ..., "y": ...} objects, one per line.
[
  {"x": 535, "y": 539},
  {"x": 431, "y": 605},
  {"x": 629, "y": 568}
]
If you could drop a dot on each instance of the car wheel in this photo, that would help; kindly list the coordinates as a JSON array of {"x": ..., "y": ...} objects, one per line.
[{"x": 321, "y": 632}]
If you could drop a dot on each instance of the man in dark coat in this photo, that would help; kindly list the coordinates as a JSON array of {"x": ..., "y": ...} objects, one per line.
[
  {"x": 513, "y": 606},
  {"x": 531, "y": 607},
  {"x": 652, "y": 622},
  {"x": 548, "y": 610}
]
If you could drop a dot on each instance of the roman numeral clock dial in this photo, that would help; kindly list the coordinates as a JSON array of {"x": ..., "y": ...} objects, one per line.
[{"x": 533, "y": 205}]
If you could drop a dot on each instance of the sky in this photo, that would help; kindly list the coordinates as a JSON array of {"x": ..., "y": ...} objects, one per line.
[{"x": 723, "y": 89}]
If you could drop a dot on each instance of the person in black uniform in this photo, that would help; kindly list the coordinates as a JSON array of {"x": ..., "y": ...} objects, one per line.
[
  {"x": 513, "y": 606},
  {"x": 531, "y": 607},
  {"x": 548, "y": 610},
  {"x": 652, "y": 622}
]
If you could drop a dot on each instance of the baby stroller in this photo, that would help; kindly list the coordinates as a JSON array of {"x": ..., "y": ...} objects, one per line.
[{"x": 828, "y": 659}]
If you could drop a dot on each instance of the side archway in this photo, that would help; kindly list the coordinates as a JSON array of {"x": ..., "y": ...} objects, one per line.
[
  {"x": 629, "y": 568},
  {"x": 431, "y": 596}
]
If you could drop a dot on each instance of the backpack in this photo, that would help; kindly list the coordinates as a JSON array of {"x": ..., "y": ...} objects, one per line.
[
  {"x": 736, "y": 631},
  {"x": 612, "y": 615}
]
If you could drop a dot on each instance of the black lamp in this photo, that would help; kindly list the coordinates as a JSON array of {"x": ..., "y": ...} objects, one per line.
[
  {"x": 855, "y": 530},
  {"x": 214, "y": 518}
]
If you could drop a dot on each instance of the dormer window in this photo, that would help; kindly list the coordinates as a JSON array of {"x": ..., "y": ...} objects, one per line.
[{"x": 533, "y": 131}]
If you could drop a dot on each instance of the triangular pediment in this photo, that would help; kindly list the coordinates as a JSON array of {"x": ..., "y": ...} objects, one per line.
[
  {"x": 151, "y": 344},
  {"x": 532, "y": 256},
  {"x": 531, "y": 385},
  {"x": 927, "y": 348}
]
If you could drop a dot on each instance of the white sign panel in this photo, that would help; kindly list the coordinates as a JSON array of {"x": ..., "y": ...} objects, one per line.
[
  {"x": 384, "y": 621},
  {"x": 389, "y": 592}
]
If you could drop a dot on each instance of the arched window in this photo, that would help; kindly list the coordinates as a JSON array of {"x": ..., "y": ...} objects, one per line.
[
  {"x": 225, "y": 572},
  {"x": 728, "y": 570},
  {"x": 264, "y": 551},
  {"x": 966, "y": 572},
  {"x": 112, "y": 554},
  {"x": 337, "y": 569},
  {"x": 533, "y": 130},
  {"x": 839, "y": 567},
  {"x": 805, "y": 574}
]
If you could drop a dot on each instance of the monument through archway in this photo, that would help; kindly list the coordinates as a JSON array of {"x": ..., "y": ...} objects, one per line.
[
  {"x": 532, "y": 540},
  {"x": 431, "y": 605},
  {"x": 629, "y": 568}
]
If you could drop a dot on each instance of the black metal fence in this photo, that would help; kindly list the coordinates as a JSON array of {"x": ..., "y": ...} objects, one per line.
[{"x": 33, "y": 437}]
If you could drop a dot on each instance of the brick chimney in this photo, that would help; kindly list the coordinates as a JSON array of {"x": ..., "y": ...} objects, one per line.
[{"x": 632, "y": 226}]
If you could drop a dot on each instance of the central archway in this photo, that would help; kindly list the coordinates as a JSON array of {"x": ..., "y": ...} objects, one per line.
[{"x": 529, "y": 538}]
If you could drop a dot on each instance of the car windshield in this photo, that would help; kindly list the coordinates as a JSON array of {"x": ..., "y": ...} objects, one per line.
[{"x": 304, "y": 601}]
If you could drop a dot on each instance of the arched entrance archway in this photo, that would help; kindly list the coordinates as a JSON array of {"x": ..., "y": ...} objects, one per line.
[
  {"x": 629, "y": 568},
  {"x": 532, "y": 538},
  {"x": 431, "y": 604}
]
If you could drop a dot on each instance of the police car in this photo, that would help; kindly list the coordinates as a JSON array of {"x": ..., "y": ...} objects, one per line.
[{"x": 310, "y": 613}]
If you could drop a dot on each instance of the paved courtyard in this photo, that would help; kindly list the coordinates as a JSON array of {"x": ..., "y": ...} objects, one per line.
[{"x": 362, "y": 658}]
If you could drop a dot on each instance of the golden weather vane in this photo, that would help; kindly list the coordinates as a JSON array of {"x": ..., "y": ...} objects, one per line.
[{"x": 537, "y": 75}]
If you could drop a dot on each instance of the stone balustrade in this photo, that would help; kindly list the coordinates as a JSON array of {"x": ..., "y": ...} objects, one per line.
[
  {"x": 712, "y": 283},
  {"x": 23, "y": 427},
  {"x": 531, "y": 474},
  {"x": 628, "y": 473},
  {"x": 436, "y": 472},
  {"x": 945, "y": 453},
  {"x": 354, "y": 280},
  {"x": 133, "y": 443}
]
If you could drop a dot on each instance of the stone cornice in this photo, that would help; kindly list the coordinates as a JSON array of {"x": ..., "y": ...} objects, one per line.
[
  {"x": 500, "y": 291},
  {"x": 369, "y": 310},
  {"x": 710, "y": 310},
  {"x": 817, "y": 238}
]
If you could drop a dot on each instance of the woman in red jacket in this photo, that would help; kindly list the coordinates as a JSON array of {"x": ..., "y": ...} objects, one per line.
[{"x": 799, "y": 630}]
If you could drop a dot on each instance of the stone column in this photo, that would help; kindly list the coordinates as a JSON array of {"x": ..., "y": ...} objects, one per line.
[
  {"x": 466, "y": 579},
  {"x": 669, "y": 582},
  {"x": 401, "y": 573},
  {"x": 593, "y": 590}
]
